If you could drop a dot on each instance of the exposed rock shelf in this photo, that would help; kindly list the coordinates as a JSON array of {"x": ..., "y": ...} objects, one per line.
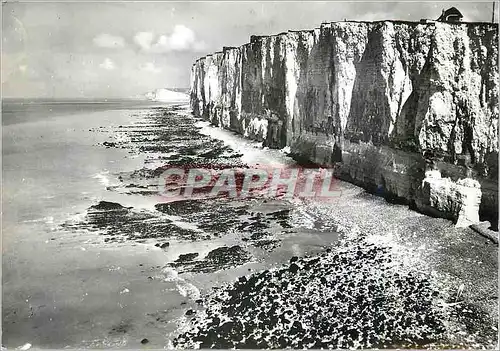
[{"x": 407, "y": 109}]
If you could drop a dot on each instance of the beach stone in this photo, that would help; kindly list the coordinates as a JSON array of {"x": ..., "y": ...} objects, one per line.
[
  {"x": 107, "y": 206},
  {"x": 294, "y": 268},
  {"x": 187, "y": 257},
  {"x": 226, "y": 254}
]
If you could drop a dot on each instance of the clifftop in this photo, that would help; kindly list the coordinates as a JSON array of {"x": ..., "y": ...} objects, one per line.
[{"x": 329, "y": 24}]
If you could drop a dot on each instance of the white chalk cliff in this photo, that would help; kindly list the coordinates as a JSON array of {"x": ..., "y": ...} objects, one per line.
[
  {"x": 165, "y": 95},
  {"x": 407, "y": 109}
]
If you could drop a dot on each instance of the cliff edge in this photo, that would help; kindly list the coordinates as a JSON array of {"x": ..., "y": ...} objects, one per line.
[{"x": 405, "y": 109}]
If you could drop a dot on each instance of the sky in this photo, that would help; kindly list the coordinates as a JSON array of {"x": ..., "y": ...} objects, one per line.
[{"x": 124, "y": 49}]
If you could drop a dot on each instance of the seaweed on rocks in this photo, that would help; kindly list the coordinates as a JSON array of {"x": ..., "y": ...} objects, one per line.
[
  {"x": 167, "y": 132},
  {"x": 168, "y": 138},
  {"x": 108, "y": 206},
  {"x": 282, "y": 217},
  {"x": 119, "y": 222},
  {"x": 266, "y": 244},
  {"x": 181, "y": 207},
  {"x": 210, "y": 215},
  {"x": 224, "y": 255},
  {"x": 220, "y": 258},
  {"x": 187, "y": 257}
]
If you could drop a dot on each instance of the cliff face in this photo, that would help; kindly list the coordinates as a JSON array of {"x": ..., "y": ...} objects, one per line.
[{"x": 409, "y": 110}]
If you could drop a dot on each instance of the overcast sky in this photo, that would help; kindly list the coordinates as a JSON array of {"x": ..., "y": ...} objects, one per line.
[{"x": 121, "y": 49}]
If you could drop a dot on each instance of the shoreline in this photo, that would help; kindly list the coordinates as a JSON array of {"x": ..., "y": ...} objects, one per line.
[{"x": 147, "y": 288}]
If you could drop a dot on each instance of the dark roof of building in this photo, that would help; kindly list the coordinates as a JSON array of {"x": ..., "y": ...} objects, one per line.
[{"x": 451, "y": 11}]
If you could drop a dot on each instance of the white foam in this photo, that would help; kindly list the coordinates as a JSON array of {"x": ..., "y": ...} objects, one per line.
[
  {"x": 104, "y": 179},
  {"x": 286, "y": 150},
  {"x": 122, "y": 138},
  {"x": 25, "y": 347},
  {"x": 186, "y": 289},
  {"x": 47, "y": 220},
  {"x": 170, "y": 274},
  {"x": 76, "y": 218},
  {"x": 189, "y": 290}
]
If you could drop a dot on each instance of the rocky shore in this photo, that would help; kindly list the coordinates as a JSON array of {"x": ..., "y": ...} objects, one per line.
[
  {"x": 274, "y": 273},
  {"x": 414, "y": 280},
  {"x": 355, "y": 296}
]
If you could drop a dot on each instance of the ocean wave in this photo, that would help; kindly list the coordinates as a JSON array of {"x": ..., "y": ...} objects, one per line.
[
  {"x": 46, "y": 220},
  {"x": 105, "y": 179},
  {"x": 186, "y": 289}
]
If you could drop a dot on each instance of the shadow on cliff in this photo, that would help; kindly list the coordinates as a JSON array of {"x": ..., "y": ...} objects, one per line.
[{"x": 370, "y": 115}]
